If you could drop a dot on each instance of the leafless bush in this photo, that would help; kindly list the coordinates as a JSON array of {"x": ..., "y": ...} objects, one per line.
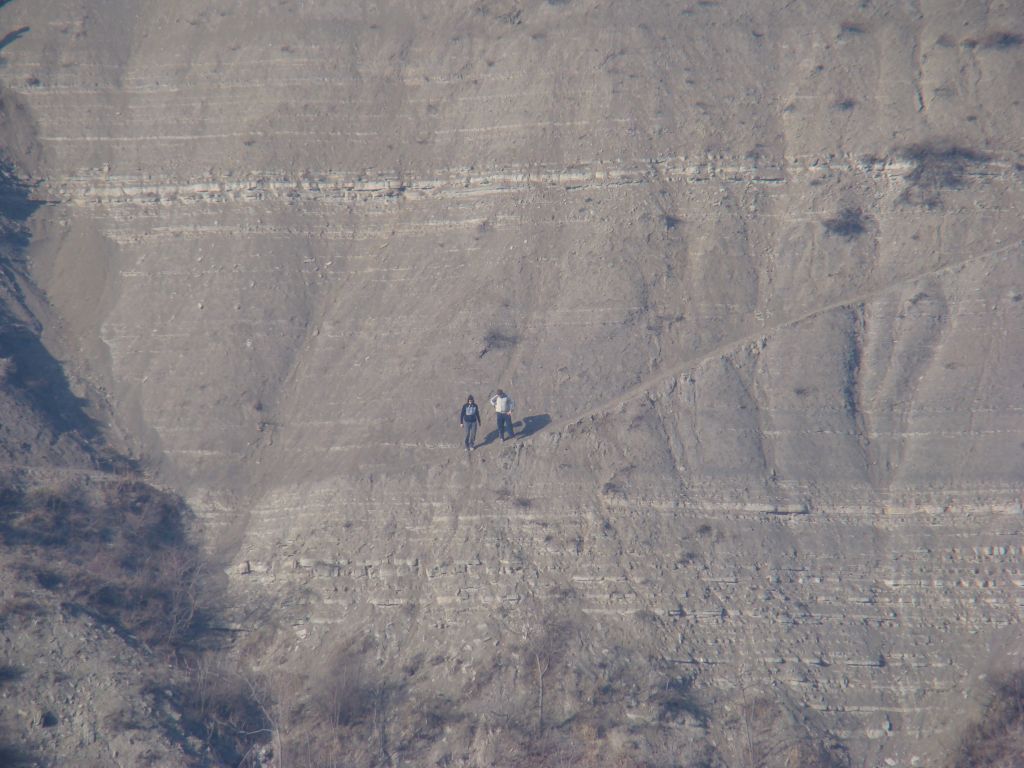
[
  {"x": 227, "y": 707},
  {"x": 159, "y": 603},
  {"x": 571, "y": 701},
  {"x": 344, "y": 693},
  {"x": 432, "y": 715},
  {"x": 675, "y": 699},
  {"x": 350, "y": 711},
  {"x": 774, "y": 737}
]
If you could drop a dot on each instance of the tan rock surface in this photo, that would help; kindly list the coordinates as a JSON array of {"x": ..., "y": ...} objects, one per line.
[{"x": 752, "y": 272}]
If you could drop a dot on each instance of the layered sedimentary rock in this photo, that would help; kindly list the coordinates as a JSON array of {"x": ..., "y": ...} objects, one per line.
[{"x": 753, "y": 274}]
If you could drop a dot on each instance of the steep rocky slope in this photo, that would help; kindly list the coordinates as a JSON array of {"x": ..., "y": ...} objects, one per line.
[
  {"x": 751, "y": 270},
  {"x": 79, "y": 685}
]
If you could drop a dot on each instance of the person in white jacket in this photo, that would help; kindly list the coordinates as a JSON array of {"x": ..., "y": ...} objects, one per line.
[{"x": 503, "y": 407}]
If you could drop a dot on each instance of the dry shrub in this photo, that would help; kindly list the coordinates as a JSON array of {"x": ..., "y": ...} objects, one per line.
[
  {"x": 997, "y": 740},
  {"x": 1003, "y": 40},
  {"x": 676, "y": 700},
  {"x": 347, "y": 710},
  {"x": 775, "y": 738},
  {"x": 498, "y": 339},
  {"x": 117, "y": 551},
  {"x": 343, "y": 693},
  {"x": 227, "y": 708},
  {"x": 937, "y": 167},
  {"x": 849, "y": 224}
]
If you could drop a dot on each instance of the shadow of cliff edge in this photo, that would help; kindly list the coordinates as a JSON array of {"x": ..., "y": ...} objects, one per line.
[
  {"x": 10, "y": 755},
  {"x": 10, "y": 37},
  {"x": 27, "y": 369}
]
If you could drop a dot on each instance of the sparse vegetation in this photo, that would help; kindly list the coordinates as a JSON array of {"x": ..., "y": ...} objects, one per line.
[
  {"x": 612, "y": 489},
  {"x": 936, "y": 168},
  {"x": 675, "y": 699},
  {"x": 345, "y": 691},
  {"x": 1002, "y": 40},
  {"x": 774, "y": 737},
  {"x": 117, "y": 551},
  {"x": 226, "y": 708},
  {"x": 513, "y": 17},
  {"x": 348, "y": 709},
  {"x": 567, "y": 702},
  {"x": 497, "y": 339},
  {"x": 997, "y": 739},
  {"x": 849, "y": 223}
]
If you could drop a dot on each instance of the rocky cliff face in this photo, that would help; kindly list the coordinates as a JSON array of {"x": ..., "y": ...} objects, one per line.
[{"x": 752, "y": 272}]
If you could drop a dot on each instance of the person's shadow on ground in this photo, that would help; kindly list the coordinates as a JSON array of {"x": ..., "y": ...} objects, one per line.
[
  {"x": 532, "y": 424},
  {"x": 528, "y": 426}
]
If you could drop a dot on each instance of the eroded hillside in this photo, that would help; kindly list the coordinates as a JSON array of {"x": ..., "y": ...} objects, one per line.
[{"x": 752, "y": 272}]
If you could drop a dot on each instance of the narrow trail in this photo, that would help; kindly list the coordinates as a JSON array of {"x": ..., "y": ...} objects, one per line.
[{"x": 642, "y": 388}]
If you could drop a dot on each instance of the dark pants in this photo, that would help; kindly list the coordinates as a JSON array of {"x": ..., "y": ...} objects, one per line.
[
  {"x": 505, "y": 423},
  {"x": 470, "y": 433}
]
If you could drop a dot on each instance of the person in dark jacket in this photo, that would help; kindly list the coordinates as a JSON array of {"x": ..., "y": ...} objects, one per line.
[{"x": 469, "y": 418}]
